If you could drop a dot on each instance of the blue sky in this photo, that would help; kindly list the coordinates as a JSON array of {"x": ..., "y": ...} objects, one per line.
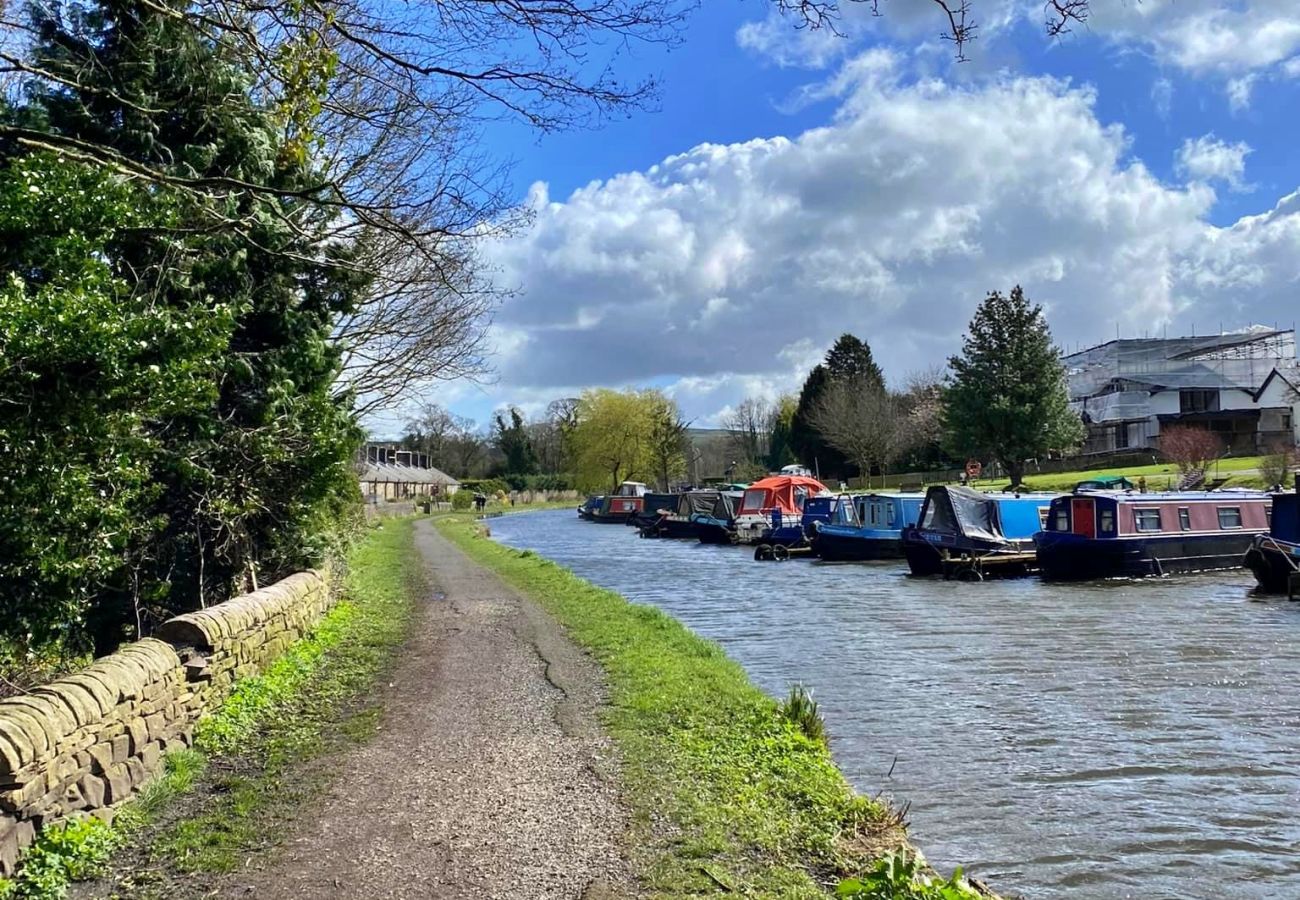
[{"x": 1134, "y": 174}]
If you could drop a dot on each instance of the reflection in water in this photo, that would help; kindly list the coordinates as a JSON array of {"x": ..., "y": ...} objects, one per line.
[{"x": 1099, "y": 740}]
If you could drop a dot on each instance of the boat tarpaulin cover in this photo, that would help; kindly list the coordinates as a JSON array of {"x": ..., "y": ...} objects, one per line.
[
  {"x": 960, "y": 510},
  {"x": 1286, "y": 517},
  {"x": 656, "y": 502},
  {"x": 724, "y": 507},
  {"x": 693, "y": 502}
]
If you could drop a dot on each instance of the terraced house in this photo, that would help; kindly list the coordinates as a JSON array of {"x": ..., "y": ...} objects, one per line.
[{"x": 1244, "y": 386}]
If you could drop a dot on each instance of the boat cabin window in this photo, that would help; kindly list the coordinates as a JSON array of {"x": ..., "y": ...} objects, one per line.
[
  {"x": 754, "y": 500},
  {"x": 800, "y": 497},
  {"x": 1268, "y": 515},
  {"x": 1229, "y": 517},
  {"x": 1148, "y": 520},
  {"x": 1062, "y": 520},
  {"x": 1184, "y": 518},
  {"x": 1042, "y": 517},
  {"x": 1106, "y": 520}
]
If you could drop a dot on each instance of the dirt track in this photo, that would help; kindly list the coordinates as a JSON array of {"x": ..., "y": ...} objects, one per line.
[{"x": 489, "y": 777}]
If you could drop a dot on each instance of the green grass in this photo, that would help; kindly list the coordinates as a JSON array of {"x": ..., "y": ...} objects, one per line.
[
  {"x": 728, "y": 793},
  {"x": 245, "y": 772},
  {"x": 1238, "y": 469},
  {"x": 297, "y": 710}
]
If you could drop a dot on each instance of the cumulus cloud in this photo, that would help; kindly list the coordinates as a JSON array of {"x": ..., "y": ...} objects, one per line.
[
  {"x": 727, "y": 269},
  {"x": 1208, "y": 158}
]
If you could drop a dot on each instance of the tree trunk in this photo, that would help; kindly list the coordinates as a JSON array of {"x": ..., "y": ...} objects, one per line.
[{"x": 1016, "y": 469}]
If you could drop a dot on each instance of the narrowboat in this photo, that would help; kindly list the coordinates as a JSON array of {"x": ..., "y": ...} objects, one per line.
[
  {"x": 769, "y": 502},
  {"x": 678, "y": 521},
  {"x": 867, "y": 526},
  {"x": 1122, "y": 534},
  {"x": 967, "y": 534},
  {"x": 653, "y": 508},
  {"x": 618, "y": 508},
  {"x": 1275, "y": 557},
  {"x": 785, "y": 537},
  {"x": 590, "y": 507},
  {"x": 718, "y": 526}
]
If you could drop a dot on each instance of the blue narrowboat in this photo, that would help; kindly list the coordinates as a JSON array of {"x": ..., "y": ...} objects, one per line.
[
  {"x": 866, "y": 526},
  {"x": 788, "y": 531},
  {"x": 587, "y": 511},
  {"x": 1275, "y": 557},
  {"x": 967, "y": 534},
  {"x": 1124, "y": 534}
]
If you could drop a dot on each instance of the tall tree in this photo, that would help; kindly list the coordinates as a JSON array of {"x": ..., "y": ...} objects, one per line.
[
  {"x": 1007, "y": 397},
  {"x": 513, "y": 442},
  {"x": 863, "y": 421},
  {"x": 249, "y": 484},
  {"x": 614, "y": 439},
  {"x": 779, "y": 450},
  {"x": 749, "y": 427},
  {"x": 669, "y": 443},
  {"x": 850, "y": 359}
]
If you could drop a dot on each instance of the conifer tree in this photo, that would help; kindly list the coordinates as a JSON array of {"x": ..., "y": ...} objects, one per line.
[
  {"x": 1007, "y": 397},
  {"x": 247, "y": 488}
]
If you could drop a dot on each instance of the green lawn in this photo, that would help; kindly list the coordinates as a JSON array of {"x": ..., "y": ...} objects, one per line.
[
  {"x": 729, "y": 793},
  {"x": 1242, "y": 471}
]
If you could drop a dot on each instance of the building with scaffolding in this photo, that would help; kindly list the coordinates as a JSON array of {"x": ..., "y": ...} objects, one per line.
[{"x": 1244, "y": 386}]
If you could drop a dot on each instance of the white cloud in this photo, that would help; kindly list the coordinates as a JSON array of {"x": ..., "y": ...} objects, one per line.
[
  {"x": 727, "y": 269},
  {"x": 1239, "y": 91},
  {"x": 1162, "y": 96},
  {"x": 1208, "y": 158}
]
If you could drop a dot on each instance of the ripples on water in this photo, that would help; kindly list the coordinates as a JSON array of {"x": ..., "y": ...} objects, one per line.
[{"x": 1120, "y": 739}]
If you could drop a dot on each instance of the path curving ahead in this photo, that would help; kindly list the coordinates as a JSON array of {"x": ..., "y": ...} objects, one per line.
[{"x": 489, "y": 776}]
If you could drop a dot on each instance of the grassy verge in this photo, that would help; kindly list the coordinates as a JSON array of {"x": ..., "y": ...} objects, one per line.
[
  {"x": 249, "y": 770},
  {"x": 1241, "y": 471},
  {"x": 729, "y": 792}
]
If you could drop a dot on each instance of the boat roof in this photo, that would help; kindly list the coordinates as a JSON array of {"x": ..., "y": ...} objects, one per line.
[
  {"x": 1187, "y": 496},
  {"x": 776, "y": 482}
]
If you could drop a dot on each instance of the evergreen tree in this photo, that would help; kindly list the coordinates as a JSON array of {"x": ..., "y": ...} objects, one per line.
[
  {"x": 247, "y": 488},
  {"x": 850, "y": 359},
  {"x": 1007, "y": 397},
  {"x": 515, "y": 445},
  {"x": 779, "y": 450}
]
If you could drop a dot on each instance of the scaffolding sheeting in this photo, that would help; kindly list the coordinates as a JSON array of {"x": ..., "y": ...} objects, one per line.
[{"x": 1239, "y": 361}]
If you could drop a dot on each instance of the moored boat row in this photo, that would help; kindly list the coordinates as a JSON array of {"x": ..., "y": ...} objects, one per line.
[{"x": 957, "y": 532}]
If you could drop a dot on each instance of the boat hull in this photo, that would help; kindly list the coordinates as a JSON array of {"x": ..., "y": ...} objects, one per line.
[
  {"x": 1273, "y": 563},
  {"x": 855, "y": 548},
  {"x": 714, "y": 533},
  {"x": 1070, "y": 557}
]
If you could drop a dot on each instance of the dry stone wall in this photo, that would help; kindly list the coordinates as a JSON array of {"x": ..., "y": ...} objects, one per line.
[{"x": 84, "y": 743}]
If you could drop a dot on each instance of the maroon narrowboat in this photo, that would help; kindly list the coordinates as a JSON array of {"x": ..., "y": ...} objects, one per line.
[{"x": 1114, "y": 534}]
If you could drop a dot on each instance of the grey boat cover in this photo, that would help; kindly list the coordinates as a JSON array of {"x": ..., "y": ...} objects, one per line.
[
  {"x": 724, "y": 507},
  {"x": 693, "y": 502},
  {"x": 961, "y": 510}
]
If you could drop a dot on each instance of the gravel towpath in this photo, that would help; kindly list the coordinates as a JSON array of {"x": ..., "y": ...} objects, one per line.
[{"x": 490, "y": 776}]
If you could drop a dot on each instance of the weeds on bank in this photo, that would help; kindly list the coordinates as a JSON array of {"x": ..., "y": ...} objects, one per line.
[
  {"x": 729, "y": 790},
  {"x": 243, "y": 751}
]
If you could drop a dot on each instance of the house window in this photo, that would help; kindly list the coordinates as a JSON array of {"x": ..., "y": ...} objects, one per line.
[
  {"x": 1148, "y": 520},
  {"x": 1184, "y": 518},
  {"x": 1062, "y": 519},
  {"x": 1229, "y": 517},
  {"x": 1198, "y": 401},
  {"x": 1121, "y": 437},
  {"x": 1106, "y": 521}
]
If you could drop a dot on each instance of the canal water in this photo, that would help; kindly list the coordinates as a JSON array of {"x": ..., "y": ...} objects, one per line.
[{"x": 1120, "y": 739}]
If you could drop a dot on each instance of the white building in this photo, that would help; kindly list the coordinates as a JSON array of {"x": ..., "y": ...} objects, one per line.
[{"x": 1243, "y": 386}]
